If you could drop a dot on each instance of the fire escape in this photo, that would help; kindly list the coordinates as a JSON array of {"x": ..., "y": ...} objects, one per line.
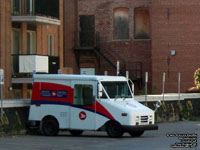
[{"x": 89, "y": 43}]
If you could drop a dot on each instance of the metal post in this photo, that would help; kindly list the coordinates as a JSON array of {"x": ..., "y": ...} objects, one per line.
[
  {"x": 1, "y": 86},
  {"x": 117, "y": 68},
  {"x": 163, "y": 92},
  {"x": 146, "y": 81},
  {"x": 59, "y": 71},
  {"x": 1, "y": 101},
  {"x": 127, "y": 75},
  {"x": 105, "y": 73},
  {"x": 179, "y": 87}
]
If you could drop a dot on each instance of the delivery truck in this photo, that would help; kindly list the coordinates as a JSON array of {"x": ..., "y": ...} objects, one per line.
[{"x": 87, "y": 102}]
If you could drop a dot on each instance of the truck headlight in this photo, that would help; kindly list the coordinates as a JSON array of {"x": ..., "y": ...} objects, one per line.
[
  {"x": 150, "y": 118},
  {"x": 137, "y": 118}
]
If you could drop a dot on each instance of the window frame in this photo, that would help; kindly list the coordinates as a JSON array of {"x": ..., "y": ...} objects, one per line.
[
  {"x": 81, "y": 101},
  {"x": 20, "y": 40},
  {"x": 32, "y": 49},
  {"x": 13, "y": 9}
]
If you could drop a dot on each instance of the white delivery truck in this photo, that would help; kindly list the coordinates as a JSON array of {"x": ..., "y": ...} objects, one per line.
[{"x": 83, "y": 102}]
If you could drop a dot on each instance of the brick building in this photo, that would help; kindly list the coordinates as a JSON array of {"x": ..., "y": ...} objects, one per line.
[
  {"x": 175, "y": 28},
  {"x": 90, "y": 36},
  {"x": 153, "y": 36},
  {"x": 31, "y": 40},
  {"x": 111, "y": 31}
]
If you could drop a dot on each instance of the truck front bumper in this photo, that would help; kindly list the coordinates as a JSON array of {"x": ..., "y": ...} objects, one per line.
[{"x": 127, "y": 128}]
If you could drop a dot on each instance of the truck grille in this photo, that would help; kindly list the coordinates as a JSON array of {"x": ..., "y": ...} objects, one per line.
[{"x": 144, "y": 119}]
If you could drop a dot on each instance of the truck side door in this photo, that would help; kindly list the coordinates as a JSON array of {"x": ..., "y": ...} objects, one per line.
[{"x": 83, "y": 110}]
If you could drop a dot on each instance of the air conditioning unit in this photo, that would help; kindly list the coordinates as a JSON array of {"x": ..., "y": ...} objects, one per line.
[{"x": 36, "y": 63}]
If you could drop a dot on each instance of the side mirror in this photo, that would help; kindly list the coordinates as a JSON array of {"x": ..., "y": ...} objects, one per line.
[
  {"x": 132, "y": 88},
  {"x": 100, "y": 90},
  {"x": 131, "y": 84},
  {"x": 158, "y": 104}
]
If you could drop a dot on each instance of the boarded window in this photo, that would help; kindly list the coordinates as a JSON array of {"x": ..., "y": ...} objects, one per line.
[
  {"x": 142, "y": 23},
  {"x": 87, "y": 30},
  {"x": 121, "y": 23}
]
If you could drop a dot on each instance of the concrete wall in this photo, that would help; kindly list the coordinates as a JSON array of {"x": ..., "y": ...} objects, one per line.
[
  {"x": 188, "y": 109},
  {"x": 14, "y": 120}
]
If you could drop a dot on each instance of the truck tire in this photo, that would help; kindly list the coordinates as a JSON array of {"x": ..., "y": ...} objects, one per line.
[
  {"x": 114, "y": 129},
  {"x": 50, "y": 127},
  {"x": 136, "y": 133},
  {"x": 76, "y": 132}
]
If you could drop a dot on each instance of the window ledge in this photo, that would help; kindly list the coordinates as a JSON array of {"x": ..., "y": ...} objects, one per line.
[{"x": 142, "y": 39}]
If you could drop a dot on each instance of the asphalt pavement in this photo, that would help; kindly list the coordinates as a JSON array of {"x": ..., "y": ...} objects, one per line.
[{"x": 170, "y": 136}]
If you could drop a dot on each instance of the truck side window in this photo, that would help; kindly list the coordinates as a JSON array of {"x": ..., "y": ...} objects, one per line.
[{"x": 83, "y": 94}]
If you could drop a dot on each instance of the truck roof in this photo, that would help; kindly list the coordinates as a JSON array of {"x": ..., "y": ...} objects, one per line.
[{"x": 77, "y": 77}]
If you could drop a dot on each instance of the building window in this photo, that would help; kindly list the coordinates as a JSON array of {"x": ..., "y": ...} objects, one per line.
[
  {"x": 142, "y": 23},
  {"x": 16, "y": 6},
  {"x": 50, "y": 45},
  {"x": 83, "y": 94},
  {"x": 16, "y": 41},
  {"x": 15, "y": 49},
  {"x": 31, "y": 42},
  {"x": 121, "y": 23},
  {"x": 30, "y": 7}
]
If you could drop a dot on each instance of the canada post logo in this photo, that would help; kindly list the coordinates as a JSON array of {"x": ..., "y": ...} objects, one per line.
[{"x": 53, "y": 93}]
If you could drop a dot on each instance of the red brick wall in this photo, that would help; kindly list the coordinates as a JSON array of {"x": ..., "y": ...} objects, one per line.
[
  {"x": 70, "y": 28},
  {"x": 5, "y": 46},
  {"x": 42, "y": 33},
  {"x": 175, "y": 26},
  {"x": 130, "y": 50}
]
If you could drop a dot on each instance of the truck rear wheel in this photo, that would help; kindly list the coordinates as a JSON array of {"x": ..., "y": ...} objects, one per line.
[
  {"x": 114, "y": 130},
  {"x": 136, "y": 133},
  {"x": 50, "y": 127},
  {"x": 76, "y": 132}
]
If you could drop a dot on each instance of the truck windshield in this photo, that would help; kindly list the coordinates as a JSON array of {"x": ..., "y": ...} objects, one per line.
[{"x": 116, "y": 89}]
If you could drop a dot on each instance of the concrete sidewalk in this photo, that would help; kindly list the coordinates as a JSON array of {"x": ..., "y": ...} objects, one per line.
[{"x": 167, "y": 97}]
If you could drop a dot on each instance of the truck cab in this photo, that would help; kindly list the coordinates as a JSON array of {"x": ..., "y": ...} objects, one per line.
[{"x": 83, "y": 102}]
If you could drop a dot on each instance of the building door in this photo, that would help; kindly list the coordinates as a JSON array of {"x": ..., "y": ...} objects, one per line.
[
  {"x": 83, "y": 110},
  {"x": 87, "y": 30}
]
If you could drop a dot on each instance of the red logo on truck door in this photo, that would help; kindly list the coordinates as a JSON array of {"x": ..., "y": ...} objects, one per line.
[{"x": 82, "y": 115}]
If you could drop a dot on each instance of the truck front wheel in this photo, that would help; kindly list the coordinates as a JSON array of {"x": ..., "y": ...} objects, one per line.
[
  {"x": 136, "y": 133},
  {"x": 50, "y": 127},
  {"x": 114, "y": 130}
]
